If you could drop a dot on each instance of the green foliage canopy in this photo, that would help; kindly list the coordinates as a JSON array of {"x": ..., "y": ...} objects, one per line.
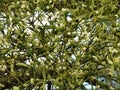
[{"x": 66, "y": 41}]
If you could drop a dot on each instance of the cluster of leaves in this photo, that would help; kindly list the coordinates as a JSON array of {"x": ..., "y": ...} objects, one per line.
[{"x": 66, "y": 41}]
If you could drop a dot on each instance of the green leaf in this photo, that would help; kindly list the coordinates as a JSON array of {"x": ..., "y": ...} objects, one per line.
[
  {"x": 15, "y": 88},
  {"x": 102, "y": 17},
  {"x": 4, "y": 51},
  {"x": 22, "y": 65}
]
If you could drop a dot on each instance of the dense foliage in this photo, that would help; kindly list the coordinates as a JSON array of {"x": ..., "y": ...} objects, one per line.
[{"x": 68, "y": 42}]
